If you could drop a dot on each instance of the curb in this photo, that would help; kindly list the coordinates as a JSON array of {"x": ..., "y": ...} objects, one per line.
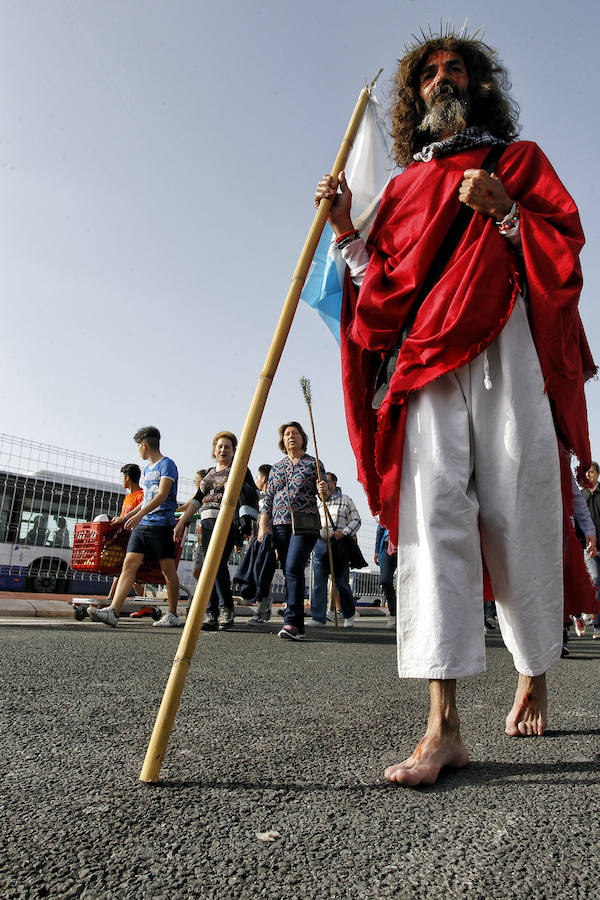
[
  {"x": 26, "y": 607},
  {"x": 47, "y": 606}
]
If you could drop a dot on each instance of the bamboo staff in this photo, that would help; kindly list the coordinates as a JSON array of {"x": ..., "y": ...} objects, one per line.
[
  {"x": 305, "y": 386},
  {"x": 170, "y": 702}
]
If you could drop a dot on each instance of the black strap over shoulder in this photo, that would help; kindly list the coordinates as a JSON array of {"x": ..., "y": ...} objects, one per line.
[{"x": 442, "y": 258}]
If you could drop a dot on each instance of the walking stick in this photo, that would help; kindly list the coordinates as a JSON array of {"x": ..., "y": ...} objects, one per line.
[
  {"x": 305, "y": 385},
  {"x": 165, "y": 718}
]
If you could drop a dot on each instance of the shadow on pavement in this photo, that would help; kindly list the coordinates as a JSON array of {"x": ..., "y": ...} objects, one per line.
[
  {"x": 356, "y": 635},
  {"x": 571, "y": 732},
  {"x": 583, "y": 657}
]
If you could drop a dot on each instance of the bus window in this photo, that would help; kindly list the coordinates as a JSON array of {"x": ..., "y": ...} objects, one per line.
[
  {"x": 37, "y": 534},
  {"x": 61, "y": 536}
]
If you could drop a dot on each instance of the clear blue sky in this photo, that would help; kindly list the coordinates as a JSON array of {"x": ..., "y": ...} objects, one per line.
[{"x": 157, "y": 165}]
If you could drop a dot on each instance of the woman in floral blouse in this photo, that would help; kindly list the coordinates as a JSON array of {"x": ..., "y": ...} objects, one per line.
[{"x": 292, "y": 480}]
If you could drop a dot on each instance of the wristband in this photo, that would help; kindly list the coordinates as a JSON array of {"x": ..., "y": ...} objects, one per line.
[
  {"x": 344, "y": 240},
  {"x": 345, "y": 234}
]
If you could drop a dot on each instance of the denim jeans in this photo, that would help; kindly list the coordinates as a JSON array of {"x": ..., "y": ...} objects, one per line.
[
  {"x": 388, "y": 565},
  {"x": 318, "y": 603},
  {"x": 221, "y": 593},
  {"x": 293, "y": 551}
]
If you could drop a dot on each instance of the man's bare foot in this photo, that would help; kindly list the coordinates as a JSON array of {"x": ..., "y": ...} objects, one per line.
[
  {"x": 529, "y": 715},
  {"x": 430, "y": 756}
]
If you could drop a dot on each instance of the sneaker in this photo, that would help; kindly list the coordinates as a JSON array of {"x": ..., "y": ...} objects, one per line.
[
  {"x": 210, "y": 622},
  {"x": 291, "y": 633},
  {"x": 144, "y": 611},
  {"x": 349, "y": 622},
  {"x": 226, "y": 618},
  {"x": 169, "y": 620},
  {"x": 489, "y": 623},
  {"x": 579, "y": 625},
  {"x": 330, "y": 615},
  {"x": 264, "y": 618},
  {"x": 257, "y": 620},
  {"x": 596, "y": 634},
  {"x": 565, "y": 651},
  {"x": 314, "y": 623},
  {"x": 106, "y": 615},
  {"x": 391, "y": 622},
  {"x": 262, "y": 609}
]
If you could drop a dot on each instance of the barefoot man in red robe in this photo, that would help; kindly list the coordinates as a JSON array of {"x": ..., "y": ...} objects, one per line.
[{"x": 465, "y": 450}]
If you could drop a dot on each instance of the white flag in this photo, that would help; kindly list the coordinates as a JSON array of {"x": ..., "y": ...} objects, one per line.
[{"x": 368, "y": 170}]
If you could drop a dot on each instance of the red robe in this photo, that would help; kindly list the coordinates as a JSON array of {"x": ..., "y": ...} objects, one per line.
[{"x": 465, "y": 311}]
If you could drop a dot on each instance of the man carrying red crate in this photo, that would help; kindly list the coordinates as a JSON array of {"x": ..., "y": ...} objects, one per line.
[{"x": 151, "y": 525}]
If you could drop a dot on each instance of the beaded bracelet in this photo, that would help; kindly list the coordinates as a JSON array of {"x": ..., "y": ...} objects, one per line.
[{"x": 510, "y": 220}]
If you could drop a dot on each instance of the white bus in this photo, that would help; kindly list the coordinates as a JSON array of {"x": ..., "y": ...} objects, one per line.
[{"x": 44, "y": 492}]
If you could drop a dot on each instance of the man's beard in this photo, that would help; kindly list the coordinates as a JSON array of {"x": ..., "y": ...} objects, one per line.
[{"x": 447, "y": 112}]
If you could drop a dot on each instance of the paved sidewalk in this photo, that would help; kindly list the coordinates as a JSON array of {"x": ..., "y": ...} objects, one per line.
[{"x": 275, "y": 736}]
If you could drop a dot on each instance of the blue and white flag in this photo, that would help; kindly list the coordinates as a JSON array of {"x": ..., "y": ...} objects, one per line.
[{"x": 368, "y": 170}]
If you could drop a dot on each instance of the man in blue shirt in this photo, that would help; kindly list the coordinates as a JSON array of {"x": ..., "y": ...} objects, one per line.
[{"x": 151, "y": 525}]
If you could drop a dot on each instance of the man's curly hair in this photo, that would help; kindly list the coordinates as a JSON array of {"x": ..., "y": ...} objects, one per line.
[{"x": 491, "y": 106}]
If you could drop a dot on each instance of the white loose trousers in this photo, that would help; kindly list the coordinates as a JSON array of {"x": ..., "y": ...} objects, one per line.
[{"x": 480, "y": 474}]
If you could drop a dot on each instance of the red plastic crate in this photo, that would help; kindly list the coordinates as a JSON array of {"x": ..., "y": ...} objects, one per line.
[{"x": 100, "y": 547}]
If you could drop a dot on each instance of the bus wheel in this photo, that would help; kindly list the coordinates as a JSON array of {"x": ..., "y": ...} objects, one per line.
[
  {"x": 42, "y": 584},
  {"x": 47, "y": 576}
]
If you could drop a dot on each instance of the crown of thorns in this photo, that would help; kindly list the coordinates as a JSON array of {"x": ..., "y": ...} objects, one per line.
[{"x": 447, "y": 30}]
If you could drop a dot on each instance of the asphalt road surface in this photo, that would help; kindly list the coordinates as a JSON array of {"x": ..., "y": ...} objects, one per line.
[{"x": 290, "y": 738}]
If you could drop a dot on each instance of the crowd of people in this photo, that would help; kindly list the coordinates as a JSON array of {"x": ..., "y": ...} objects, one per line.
[
  {"x": 586, "y": 511},
  {"x": 265, "y": 516},
  {"x": 290, "y": 513}
]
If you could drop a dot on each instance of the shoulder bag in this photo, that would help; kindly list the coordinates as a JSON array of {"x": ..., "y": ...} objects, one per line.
[
  {"x": 302, "y": 522},
  {"x": 345, "y": 550}
]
